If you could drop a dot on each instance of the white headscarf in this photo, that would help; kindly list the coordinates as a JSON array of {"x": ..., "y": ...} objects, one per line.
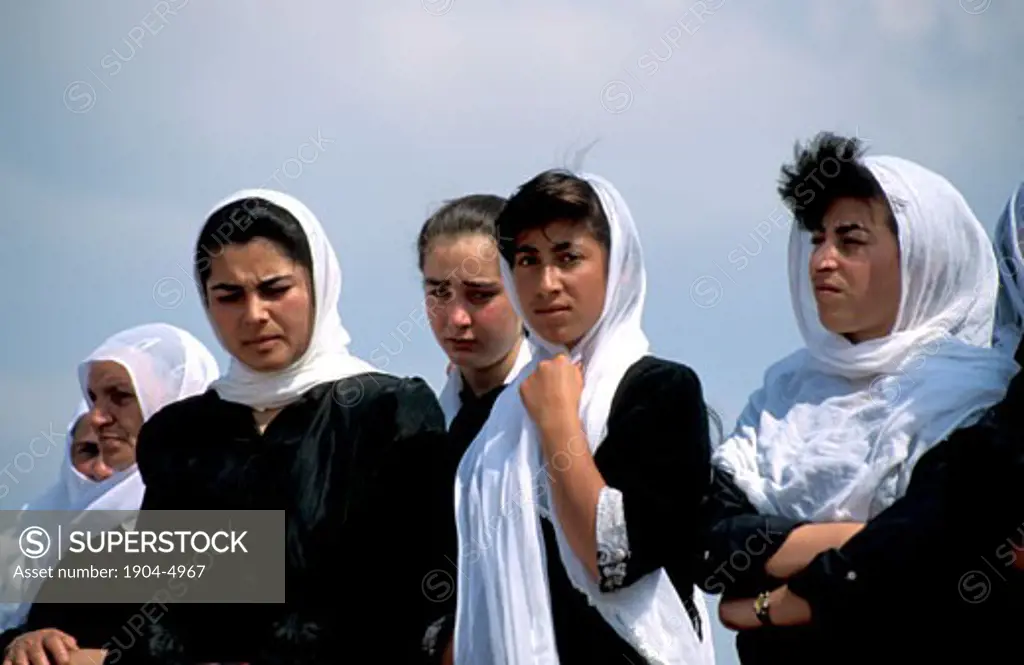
[
  {"x": 504, "y": 609},
  {"x": 1010, "y": 306},
  {"x": 450, "y": 397},
  {"x": 327, "y": 358},
  {"x": 837, "y": 428},
  {"x": 73, "y": 488},
  {"x": 165, "y": 364}
]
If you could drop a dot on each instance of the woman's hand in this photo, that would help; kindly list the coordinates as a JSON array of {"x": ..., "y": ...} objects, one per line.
[
  {"x": 47, "y": 646},
  {"x": 551, "y": 394}
]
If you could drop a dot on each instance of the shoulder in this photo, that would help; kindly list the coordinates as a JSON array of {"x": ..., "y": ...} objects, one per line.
[
  {"x": 652, "y": 376},
  {"x": 188, "y": 412},
  {"x": 409, "y": 402}
]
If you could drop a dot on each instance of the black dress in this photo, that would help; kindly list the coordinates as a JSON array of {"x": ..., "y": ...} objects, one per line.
[
  {"x": 930, "y": 578},
  {"x": 358, "y": 465},
  {"x": 657, "y": 454}
]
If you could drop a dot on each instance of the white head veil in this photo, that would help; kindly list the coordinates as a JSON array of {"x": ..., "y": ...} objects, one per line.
[
  {"x": 327, "y": 358},
  {"x": 1010, "y": 306},
  {"x": 450, "y": 397},
  {"x": 837, "y": 428},
  {"x": 73, "y": 488},
  {"x": 504, "y": 610},
  {"x": 165, "y": 364}
]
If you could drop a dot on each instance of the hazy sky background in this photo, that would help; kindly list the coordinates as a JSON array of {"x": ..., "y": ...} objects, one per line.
[{"x": 124, "y": 121}]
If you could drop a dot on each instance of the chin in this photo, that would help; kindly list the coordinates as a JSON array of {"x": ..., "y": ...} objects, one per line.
[{"x": 273, "y": 362}]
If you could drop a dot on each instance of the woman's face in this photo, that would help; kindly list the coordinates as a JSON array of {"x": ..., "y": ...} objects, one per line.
[
  {"x": 466, "y": 302},
  {"x": 855, "y": 270},
  {"x": 261, "y": 304},
  {"x": 85, "y": 451},
  {"x": 116, "y": 413},
  {"x": 560, "y": 272}
]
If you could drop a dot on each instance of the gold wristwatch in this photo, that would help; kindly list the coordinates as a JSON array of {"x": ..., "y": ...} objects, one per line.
[{"x": 762, "y": 608}]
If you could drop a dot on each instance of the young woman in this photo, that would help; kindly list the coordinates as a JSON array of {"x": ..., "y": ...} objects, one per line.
[
  {"x": 125, "y": 381},
  {"x": 571, "y": 498},
  {"x": 299, "y": 424},
  {"x": 894, "y": 285},
  {"x": 474, "y": 323}
]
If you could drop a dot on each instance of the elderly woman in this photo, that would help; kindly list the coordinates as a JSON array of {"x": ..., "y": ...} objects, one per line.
[
  {"x": 125, "y": 381},
  {"x": 894, "y": 285}
]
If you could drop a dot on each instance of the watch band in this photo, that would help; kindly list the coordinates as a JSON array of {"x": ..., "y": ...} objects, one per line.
[{"x": 762, "y": 607}]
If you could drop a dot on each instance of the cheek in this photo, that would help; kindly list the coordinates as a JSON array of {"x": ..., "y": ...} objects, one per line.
[
  {"x": 294, "y": 313},
  {"x": 224, "y": 320},
  {"x": 496, "y": 321}
]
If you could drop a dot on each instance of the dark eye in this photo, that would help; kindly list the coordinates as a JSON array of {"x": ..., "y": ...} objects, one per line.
[
  {"x": 569, "y": 258},
  {"x": 526, "y": 260},
  {"x": 120, "y": 397},
  {"x": 230, "y": 298},
  {"x": 274, "y": 292},
  {"x": 817, "y": 239},
  {"x": 481, "y": 297},
  {"x": 442, "y": 293}
]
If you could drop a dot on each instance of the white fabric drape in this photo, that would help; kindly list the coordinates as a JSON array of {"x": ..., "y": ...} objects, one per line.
[
  {"x": 165, "y": 364},
  {"x": 1010, "y": 306},
  {"x": 836, "y": 429},
  {"x": 450, "y": 398},
  {"x": 504, "y": 609},
  {"x": 327, "y": 358}
]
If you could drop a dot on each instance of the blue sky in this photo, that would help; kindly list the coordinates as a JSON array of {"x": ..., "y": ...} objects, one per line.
[{"x": 124, "y": 121}]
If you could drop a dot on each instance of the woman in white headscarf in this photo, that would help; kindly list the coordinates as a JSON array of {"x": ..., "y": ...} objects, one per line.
[
  {"x": 125, "y": 381},
  {"x": 476, "y": 325},
  {"x": 894, "y": 284},
  {"x": 566, "y": 496},
  {"x": 300, "y": 424},
  {"x": 1009, "y": 236}
]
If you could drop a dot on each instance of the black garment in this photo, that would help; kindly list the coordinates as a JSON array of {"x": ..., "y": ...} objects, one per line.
[
  {"x": 931, "y": 577},
  {"x": 356, "y": 464},
  {"x": 109, "y": 626}
]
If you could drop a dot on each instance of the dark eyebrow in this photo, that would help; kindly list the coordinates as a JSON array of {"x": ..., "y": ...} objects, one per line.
[
  {"x": 847, "y": 227},
  {"x": 265, "y": 284},
  {"x": 526, "y": 249},
  {"x": 475, "y": 284}
]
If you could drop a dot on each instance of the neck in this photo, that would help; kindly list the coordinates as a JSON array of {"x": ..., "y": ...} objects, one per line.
[{"x": 486, "y": 379}]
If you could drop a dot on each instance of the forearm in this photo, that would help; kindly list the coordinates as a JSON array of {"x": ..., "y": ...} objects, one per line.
[
  {"x": 785, "y": 608},
  {"x": 576, "y": 486},
  {"x": 805, "y": 543}
]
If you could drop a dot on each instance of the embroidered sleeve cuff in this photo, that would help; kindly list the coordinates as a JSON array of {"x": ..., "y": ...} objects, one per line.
[
  {"x": 436, "y": 639},
  {"x": 612, "y": 539}
]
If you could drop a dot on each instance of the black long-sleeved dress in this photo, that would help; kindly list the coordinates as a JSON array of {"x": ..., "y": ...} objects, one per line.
[
  {"x": 359, "y": 466},
  {"x": 657, "y": 455},
  {"x": 931, "y": 577}
]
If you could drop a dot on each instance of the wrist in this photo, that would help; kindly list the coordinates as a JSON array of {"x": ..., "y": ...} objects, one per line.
[{"x": 560, "y": 431}]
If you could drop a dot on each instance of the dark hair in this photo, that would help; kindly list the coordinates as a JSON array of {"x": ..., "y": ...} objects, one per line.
[
  {"x": 552, "y": 196},
  {"x": 475, "y": 213},
  {"x": 242, "y": 221},
  {"x": 826, "y": 169}
]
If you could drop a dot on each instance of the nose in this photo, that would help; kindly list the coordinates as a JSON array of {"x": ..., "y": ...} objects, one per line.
[
  {"x": 256, "y": 309},
  {"x": 550, "y": 281},
  {"x": 824, "y": 257},
  {"x": 458, "y": 315},
  {"x": 99, "y": 417},
  {"x": 98, "y": 470}
]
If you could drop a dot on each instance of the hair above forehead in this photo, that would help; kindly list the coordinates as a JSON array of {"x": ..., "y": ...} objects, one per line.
[
  {"x": 471, "y": 214},
  {"x": 828, "y": 168},
  {"x": 554, "y": 195},
  {"x": 244, "y": 220}
]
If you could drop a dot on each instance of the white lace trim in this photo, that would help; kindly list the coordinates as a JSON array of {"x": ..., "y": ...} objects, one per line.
[{"x": 612, "y": 539}]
